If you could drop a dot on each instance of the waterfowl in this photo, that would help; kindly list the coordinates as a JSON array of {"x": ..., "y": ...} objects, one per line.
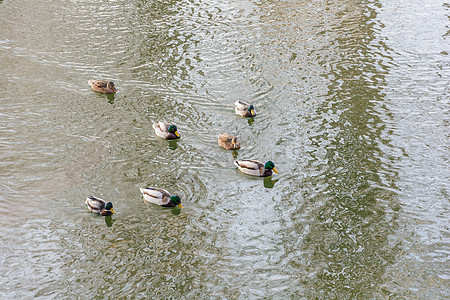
[
  {"x": 99, "y": 206},
  {"x": 244, "y": 109},
  {"x": 160, "y": 197},
  {"x": 102, "y": 86},
  {"x": 228, "y": 142},
  {"x": 255, "y": 168},
  {"x": 166, "y": 131}
]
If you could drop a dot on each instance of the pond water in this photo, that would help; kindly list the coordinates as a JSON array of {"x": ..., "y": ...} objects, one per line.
[{"x": 353, "y": 108}]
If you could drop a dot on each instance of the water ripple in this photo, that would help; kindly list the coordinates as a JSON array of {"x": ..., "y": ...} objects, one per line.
[{"x": 350, "y": 109}]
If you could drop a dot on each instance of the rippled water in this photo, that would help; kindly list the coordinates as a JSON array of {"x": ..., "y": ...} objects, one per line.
[{"x": 353, "y": 109}]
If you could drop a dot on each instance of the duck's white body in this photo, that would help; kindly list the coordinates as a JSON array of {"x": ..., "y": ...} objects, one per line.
[
  {"x": 241, "y": 108},
  {"x": 250, "y": 167},
  {"x": 254, "y": 167},
  {"x": 162, "y": 130},
  {"x": 156, "y": 196},
  {"x": 97, "y": 205}
]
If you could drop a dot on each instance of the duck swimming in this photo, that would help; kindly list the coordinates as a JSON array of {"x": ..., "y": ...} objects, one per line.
[
  {"x": 160, "y": 197},
  {"x": 244, "y": 109},
  {"x": 228, "y": 142},
  {"x": 99, "y": 206},
  {"x": 102, "y": 86},
  {"x": 255, "y": 168},
  {"x": 166, "y": 131}
]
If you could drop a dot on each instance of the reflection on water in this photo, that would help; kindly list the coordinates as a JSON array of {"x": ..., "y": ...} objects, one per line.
[
  {"x": 348, "y": 242},
  {"x": 109, "y": 221},
  {"x": 176, "y": 210},
  {"x": 335, "y": 113},
  {"x": 173, "y": 145},
  {"x": 269, "y": 183},
  {"x": 250, "y": 120},
  {"x": 351, "y": 183},
  {"x": 110, "y": 98}
]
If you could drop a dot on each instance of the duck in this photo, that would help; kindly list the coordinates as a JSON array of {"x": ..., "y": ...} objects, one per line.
[
  {"x": 160, "y": 197},
  {"x": 244, "y": 109},
  {"x": 166, "y": 131},
  {"x": 229, "y": 142},
  {"x": 99, "y": 206},
  {"x": 255, "y": 168},
  {"x": 102, "y": 86}
]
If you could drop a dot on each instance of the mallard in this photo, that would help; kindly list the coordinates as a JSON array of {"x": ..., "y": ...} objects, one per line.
[
  {"x": 166, "y": 131},
  {"x": 244, "y": 109},
  {"x": 99, "y": 206},
  {"x": 102, "y": 86},
  {"x": 255, "y": 168},
  {"x": 160, "y": 197},
  {"x": 228, "y": 142}
]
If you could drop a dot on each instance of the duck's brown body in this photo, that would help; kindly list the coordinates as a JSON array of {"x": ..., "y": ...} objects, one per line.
[
  {"x": 102, "y": 86},
  {"x": 228, "y": 142}
]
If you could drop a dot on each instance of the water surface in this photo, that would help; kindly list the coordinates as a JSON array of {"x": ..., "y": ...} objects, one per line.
[{"x": 352, "y": 102}]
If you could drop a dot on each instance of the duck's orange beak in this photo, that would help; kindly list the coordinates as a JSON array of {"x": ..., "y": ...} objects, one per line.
[
  {"x": 252, "y": 112},
  {"x": 112, "y": 210},
  {"x": 177, "y": 134},
  {"x": 275, "y": 170},
  {"x": 180, "y": 205}
]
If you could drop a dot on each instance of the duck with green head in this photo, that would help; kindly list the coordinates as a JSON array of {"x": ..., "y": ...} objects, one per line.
[
  {"x": 102, "y": 86},
  {"x": 255, "y": 168},
  {"x": 99, "y": 206},
  {"x": 160, "y": 197},
  {"x": 166, "y": 131},
  {"x": 244, "y": 109}
]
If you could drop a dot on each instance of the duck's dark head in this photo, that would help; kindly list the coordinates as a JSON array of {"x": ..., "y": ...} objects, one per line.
[
  {"x": 111, "y": 86},
  {"x": 270, "y": 166},
  {"x": 109, "y": 207},
  {"x": 176, "y": 200},
  {"x": 173, "y": 129},
  {"x": 235, "y": 143},
  {"x": 251, "y": 109}
]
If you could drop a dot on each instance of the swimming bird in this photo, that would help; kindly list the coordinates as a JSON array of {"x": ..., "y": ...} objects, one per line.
[
  {"x": 99, "y": 206},
  {"x": 166, "y": 131},
  {"x": 244, "y": 109},
  {"x": 255, "y": 168},
  {"x": 102, "y": 86},
  {"x": 228, "y": 142},
  {"x": 160, "y": 197}
]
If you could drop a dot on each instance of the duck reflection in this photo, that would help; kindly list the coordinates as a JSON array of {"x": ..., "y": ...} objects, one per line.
[
  {"x": 176, "y": 210},
  {"x": 235, "y": 154},
  {"x": 173, "y": 144},
  {"x": 269, "y": 183},
  {"x": 109, "y": 221},
  {"x": 110, "y": 98}
]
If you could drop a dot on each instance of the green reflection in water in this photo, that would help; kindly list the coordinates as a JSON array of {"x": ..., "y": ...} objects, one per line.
[
  {"x": 110, "y": 98},
  {"x": 173, "y": 145},
  {"x": 109, "y": 221},
  {"x": 348, "y": 242},
  {"x": 235, "y": 153},
  {"x": 269, "y": 183}
]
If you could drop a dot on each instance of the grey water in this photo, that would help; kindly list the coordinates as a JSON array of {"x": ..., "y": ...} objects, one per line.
[{"x": 353, "y": 108}]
